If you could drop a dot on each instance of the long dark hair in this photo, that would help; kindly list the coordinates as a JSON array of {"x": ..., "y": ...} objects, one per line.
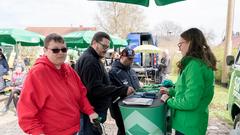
[
  {"x": 3, "y": 56},
  {"x": 198, "y": 48}
]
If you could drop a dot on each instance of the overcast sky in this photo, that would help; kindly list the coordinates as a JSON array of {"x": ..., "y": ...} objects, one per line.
[{"x": 207, "y": 14}]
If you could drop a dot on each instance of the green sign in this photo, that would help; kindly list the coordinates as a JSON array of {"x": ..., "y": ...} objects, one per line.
[{"x": 144, "y": 120}]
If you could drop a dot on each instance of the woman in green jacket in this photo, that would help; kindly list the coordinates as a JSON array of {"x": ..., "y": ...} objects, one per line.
[{"x": 194, "y": 88}]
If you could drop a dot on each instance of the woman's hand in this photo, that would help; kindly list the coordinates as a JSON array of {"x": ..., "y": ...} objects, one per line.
[
  {"x": 93, "y": 116},
  {"x": 164, "y": 90},
  {"x": 164, "y": 98}
]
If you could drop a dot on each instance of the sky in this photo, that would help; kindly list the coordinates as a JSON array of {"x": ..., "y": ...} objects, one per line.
[{"x": 208, "y": 14}]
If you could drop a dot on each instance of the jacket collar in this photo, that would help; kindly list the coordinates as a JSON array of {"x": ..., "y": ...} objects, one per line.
[
  {"x": 63, "y": 71},
  {"x": 118, "y": 64},
  {"x": 185, "y": 60},
  {"x": 93, "y": 52}
]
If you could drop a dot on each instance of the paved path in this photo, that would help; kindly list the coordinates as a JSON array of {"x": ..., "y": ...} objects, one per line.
[{"x": 9, "y": 126}]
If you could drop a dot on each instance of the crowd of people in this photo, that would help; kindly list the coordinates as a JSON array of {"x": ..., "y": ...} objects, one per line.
[
  {"x": 11, "y": 79},
  {"x": 66, "y": 99}
]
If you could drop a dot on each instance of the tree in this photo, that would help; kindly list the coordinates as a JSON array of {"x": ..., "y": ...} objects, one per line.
[
  {"x": 167, "y": 30},
  {"x": 209, "y": 35},
  {"x": 120, "y": 19}
]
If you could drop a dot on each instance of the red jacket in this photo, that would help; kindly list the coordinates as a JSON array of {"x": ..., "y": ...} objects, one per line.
[{"x": 51, "y": 100}]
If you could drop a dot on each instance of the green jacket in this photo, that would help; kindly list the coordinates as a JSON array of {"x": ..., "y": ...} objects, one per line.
[{"x": 191, "y": 96}]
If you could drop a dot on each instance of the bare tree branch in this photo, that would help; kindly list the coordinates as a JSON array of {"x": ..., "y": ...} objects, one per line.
[
  {"x": 117, "y": 18},
  {"x": 167, "y": 30}
]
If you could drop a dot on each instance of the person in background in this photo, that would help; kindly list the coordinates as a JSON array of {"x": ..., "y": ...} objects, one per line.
[
  {"x": 53, "y": 95},
  {"x": 17, "y": 80},
  {"x": 26, "y": 61},
  {"x": 72, "y": 64},
  {"x": 19, "y": 62},
  {"x": 122, "y": 74},
  {"x": 3, "y": 71},
  {"x": 91, "y": 70},
  {"x": 164, "y": 66},
  {"x": 115, "y": 56},
  {"x": 194, "y": 89},
  {"x": 3, "y": 61},
  {"x": 4, "y": 68}
]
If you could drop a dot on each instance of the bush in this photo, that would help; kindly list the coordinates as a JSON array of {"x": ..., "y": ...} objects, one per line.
[
  {"x": 175, "y": 58},
  {"x": 219, "y": 53}
]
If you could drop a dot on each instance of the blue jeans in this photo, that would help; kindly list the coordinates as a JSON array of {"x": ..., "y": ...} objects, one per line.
[{"x": 86, "y": 127}]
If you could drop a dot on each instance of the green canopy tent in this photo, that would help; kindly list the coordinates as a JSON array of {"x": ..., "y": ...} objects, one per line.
[
  {"x": 20, "y": 37},
  {"x": 11, "y": 39},
  {"x": 143, "y": 2},
  {"x": 118, "y": 42},
  {"x": 82, "y": 39},
  {"x": 75, "y": 40}
]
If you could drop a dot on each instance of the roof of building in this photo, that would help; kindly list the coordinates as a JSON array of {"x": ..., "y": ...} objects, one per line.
[
  {"x": 235, "y": 40},
  {"x": 59, "y": 30}
]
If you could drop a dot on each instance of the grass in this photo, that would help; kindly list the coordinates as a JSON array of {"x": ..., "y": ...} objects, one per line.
[{"x": 218, "y": 104}]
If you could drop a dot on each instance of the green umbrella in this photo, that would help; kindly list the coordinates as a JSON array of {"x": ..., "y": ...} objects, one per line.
[
  {"x": 75, "y": 40},
  {"x": 79, "y": 39},
  {"x": 82, "y": 39},
  {"x": 5, "y": 44},
  {"x": 118, "y": 42},
  {"x": 143, "y": 2},
  {"x": 19, "y": 36}
]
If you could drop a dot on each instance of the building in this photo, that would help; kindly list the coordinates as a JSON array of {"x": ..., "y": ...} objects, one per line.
[
  {"x": 235, "y": 40},
  {"x": 59, "y": 30}
]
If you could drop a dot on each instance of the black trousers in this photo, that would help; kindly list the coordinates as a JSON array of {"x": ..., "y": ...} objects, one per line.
[
  {"x": 13, "y": 96},
  {"x": 116, "y": 114},
  {"x": 86, "y": 127}
]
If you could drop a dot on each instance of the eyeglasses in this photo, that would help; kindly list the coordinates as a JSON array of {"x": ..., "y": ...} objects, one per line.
[
  {"x": 180, "y": 44},
  {"x": 57, "y": 50},
  {"x": 105, "y": 47}
]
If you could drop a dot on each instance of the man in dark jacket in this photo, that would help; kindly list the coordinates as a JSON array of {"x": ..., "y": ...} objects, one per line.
[
  {"x": 94, "y": 76},
  {"x": 121, "y": 74}
]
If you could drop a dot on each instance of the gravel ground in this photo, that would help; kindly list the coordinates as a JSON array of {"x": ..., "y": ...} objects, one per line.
[{"x": 9, "y": 126}]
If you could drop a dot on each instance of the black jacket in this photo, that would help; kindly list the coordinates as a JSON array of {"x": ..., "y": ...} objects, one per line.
[
  {"x": 123, "y": 75},
  {"x": 94, "y": 76}
]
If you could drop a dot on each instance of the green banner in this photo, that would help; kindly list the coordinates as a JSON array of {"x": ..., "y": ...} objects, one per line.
[{"x": 144, "y": 120}]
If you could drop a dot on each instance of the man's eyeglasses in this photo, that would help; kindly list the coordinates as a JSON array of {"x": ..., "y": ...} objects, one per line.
[
  {"x": 57, "y": 50},
  {"x": 105, "y": 47}
]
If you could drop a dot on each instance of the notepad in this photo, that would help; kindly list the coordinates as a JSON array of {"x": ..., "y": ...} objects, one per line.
[{"x": 138, "y": 101}]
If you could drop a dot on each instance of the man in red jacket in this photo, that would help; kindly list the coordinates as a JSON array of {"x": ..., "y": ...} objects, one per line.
[{"x": 53, "y": 95}]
